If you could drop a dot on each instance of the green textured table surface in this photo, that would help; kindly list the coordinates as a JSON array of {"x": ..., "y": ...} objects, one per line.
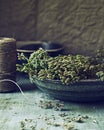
[{"x": 25, "y": 112}]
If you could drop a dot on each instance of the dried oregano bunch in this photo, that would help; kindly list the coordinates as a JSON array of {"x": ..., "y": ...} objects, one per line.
[
  {"x": 36, "y": 62},
  {"x": 67, "y": 68}
]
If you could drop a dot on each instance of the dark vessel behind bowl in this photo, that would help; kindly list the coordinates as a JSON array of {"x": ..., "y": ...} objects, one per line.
[
  {"x": 28, "y": 47},
  {"x": 53, "y": 48}
]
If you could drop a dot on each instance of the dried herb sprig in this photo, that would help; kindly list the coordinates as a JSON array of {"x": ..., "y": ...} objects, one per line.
[{"x": 50, "y": 104}]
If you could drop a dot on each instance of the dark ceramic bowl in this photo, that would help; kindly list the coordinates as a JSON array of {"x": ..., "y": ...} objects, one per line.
[
  {"x": 82, "y": 91},
  {"x": 53, "y": 48},
  {"x": 29, "y": 47}
]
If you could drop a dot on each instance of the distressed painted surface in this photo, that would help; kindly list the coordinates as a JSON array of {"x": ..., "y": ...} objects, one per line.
[{"x": 15, "y": 108}]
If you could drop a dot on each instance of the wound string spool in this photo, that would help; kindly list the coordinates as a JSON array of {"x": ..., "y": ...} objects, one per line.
[{"x": 7, "y": 63}]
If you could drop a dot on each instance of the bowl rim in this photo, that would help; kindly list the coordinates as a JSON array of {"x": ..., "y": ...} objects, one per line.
[
  {"x": 59, "y": 81},
  {"x": 40, "y": 43},
  {"x": 85, "y": 86}
]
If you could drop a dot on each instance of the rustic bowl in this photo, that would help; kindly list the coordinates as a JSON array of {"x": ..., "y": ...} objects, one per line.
[
  {"x": 29, "y": 47},
  {"x": 82, "y": 91}
]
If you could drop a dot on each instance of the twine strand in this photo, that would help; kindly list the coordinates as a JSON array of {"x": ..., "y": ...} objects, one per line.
[{"x": 9, "y": 80}]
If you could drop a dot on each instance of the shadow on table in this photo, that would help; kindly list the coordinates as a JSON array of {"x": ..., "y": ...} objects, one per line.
[{"x": 23, "y": 81}]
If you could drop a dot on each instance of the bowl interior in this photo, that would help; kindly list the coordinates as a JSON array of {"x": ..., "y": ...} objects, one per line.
[
  {"x": 28, "y": 46},
  {"x": 49, "y": 46}
]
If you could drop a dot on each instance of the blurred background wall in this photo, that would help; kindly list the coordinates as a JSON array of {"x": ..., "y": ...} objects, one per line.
[{"x": 78, "y": 24}]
